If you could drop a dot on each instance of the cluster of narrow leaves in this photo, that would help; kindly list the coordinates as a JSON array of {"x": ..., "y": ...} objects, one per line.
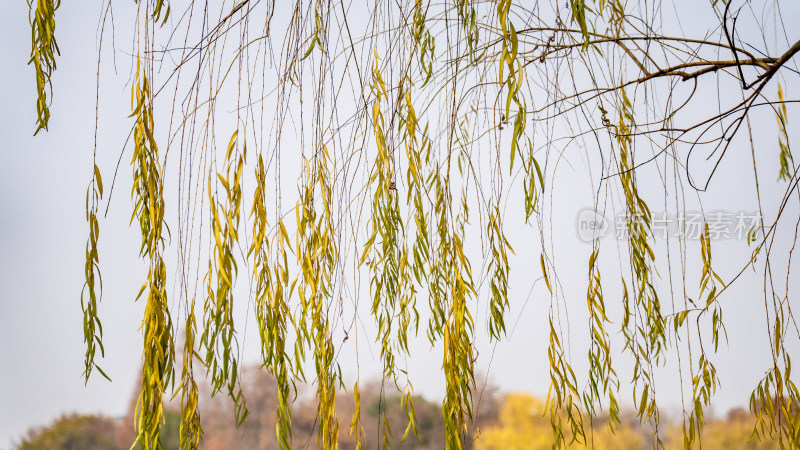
[
  {"x": 643, "y": 322},
  {"x": 271, "y": 308},
  {"x": 319, "y": 30},
  {"x": 499, "y": 269},
  {"x": 156, "y": 8},
  {"x": 92, "y": 290},
  {"x": 563, "y": 397},
  {"x": 467, "y": 16},
  {"x": 391, "y": 273},
  {"x": 603, "y": 381},
  {"x": 390, "y": 265},
  {"x": 148, "y": 197},
  {"x": 785, "y": 156},
  {"x": 43, "y": 54},
  {"x": 218, "y": 329},
  {"x": 512, "y": 80},
  {"x": 532, "y": 189},
  {"x": 776, "y": 399},
  {"x": 500, "y": 247},
  {"x": 316, "y": 251},
  {"x": 424, "y": 44},
  {"x": 191, "y": 430},
  {"x": 704, "y": 380},
  {"x": 452, "y": 289}
]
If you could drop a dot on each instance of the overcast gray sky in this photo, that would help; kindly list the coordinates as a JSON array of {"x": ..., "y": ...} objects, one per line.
[{"x": 43, "y": 181}]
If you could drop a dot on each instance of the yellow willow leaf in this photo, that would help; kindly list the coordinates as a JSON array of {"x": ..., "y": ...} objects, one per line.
[
  {"x": 284, "y": 233},
  {"x": 514, "y": 42},
  {"x": 99, "y": 179},
  {"x": 544, "y": 274},
  {"x": 231, "y": 145},
  {"x": 367, "y": 247}
]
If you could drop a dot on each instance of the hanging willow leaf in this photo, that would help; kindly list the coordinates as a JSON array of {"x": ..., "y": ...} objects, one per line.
[
  {"x": 92, "y": 291},
  {"x": 317, "y": 251},
  {"x": 785, "y": 155},
  {"x": 645, "y": 343},
  {"x": 159, "y": 351},
  {"x": 219, "y": 330},
  {"x": 44, "y": 49},
  {"x": 191, "y": 431}
]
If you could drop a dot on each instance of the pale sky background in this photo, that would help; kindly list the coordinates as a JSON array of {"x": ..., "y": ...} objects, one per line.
[{"x": 42, "y": 237}]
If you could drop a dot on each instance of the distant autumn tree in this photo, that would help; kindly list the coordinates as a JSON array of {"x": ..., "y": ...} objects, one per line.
[
  {"x": 345, "y": 158},
  {"x": 733, "y": 431},
  {"x": 522, "y": 425},
  {"x": 73, "y": 432}
]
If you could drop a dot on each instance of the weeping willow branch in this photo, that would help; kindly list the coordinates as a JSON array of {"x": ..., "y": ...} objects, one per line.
[{"x": 43, "y": 54}]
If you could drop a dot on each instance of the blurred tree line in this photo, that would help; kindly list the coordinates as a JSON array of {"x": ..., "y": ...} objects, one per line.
[{"x": 511, "y": 421}]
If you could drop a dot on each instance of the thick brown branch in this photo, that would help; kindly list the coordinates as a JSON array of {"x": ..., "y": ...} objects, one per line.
[
  {"x": 708, "y": 66},
  {"x": 770, "y": 66},
  {"x": 777, "y": 65}
]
